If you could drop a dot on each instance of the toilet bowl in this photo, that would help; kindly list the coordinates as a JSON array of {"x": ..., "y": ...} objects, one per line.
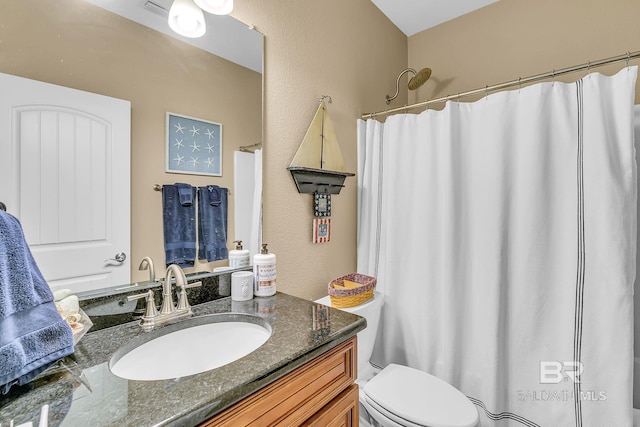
[{"x": 400, "y": 396}]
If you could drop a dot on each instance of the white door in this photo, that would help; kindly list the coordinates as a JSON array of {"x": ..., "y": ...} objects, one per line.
[{"x": 65, "y": 174}]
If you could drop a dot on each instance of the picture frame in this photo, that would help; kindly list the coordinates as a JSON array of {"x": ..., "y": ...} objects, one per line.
[
  {"x": 321, "y": 230},
  {"x": 321, "y": 204},
  {"x": 193, "y": 146},
  {"x": 321, "y": 317}
]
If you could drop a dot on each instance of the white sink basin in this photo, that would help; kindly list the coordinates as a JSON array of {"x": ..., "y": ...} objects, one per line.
[{"x": 190, "y": 347}]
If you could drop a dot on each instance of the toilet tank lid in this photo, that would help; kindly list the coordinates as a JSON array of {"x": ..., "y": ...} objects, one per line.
[
  {"x": 377, "y": 299},
  {"x": 420, "y": 398}
]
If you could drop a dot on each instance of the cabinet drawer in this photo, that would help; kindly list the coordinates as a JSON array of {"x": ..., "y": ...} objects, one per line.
[
  {"x": 341, "y": 412},
  {"x": 295, "y": 397}
]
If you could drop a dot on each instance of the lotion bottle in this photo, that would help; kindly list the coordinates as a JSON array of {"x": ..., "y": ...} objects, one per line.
[
  {"x": 264, "y": 273},
  {"x": 239, "y": 257}
]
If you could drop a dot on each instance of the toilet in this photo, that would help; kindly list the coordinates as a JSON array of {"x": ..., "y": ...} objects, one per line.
[{"x": 400, "y": 396}]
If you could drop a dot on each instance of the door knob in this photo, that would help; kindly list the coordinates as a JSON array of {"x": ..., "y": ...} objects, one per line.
[{"x": 118, "y": 258}]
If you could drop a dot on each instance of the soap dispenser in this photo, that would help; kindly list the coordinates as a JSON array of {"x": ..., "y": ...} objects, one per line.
[
  {"x": 239, "y": 257},
  {"x": 264, "y": 273}
]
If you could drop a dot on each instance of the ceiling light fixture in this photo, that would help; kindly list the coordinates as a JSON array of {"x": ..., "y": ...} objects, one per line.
[
  {"x": 187, "y": 19},
  {"x": 217, "y": 7}
]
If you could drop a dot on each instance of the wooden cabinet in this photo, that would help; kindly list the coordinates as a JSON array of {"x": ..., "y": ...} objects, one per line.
[
  {"x": 340, "y": 412},
  {"x": 321, "y": 392}
]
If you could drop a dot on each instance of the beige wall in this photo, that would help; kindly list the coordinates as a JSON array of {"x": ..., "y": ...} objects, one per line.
[
  {"x": 350, "y": 51},
  {"x": 346, "y": 49},
  {"x": 79, "y": 45},
  {"x": 517, "y": 38}
]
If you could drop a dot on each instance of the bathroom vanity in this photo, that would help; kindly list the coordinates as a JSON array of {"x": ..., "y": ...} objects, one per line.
[
  {"x": 319, "y": 393},
  {"x": 303, "y": 375}
]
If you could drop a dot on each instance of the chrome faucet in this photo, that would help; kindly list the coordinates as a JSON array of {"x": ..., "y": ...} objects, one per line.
[
  {"x": 173, "y": 271},
  {"x": 147, "y": 264},
  {"x": 168, "y": 310}
]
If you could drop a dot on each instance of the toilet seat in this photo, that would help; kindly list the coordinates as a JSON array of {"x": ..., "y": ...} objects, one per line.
[
  {"x": 414, "y": 398},
  {"x": 384, "y": 417}
]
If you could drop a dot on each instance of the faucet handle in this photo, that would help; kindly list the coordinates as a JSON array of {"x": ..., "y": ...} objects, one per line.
[
  {"x": 193, "y": 284},
  {"x": 150, "y": 312},
  {"x": 183, "y": 301}
]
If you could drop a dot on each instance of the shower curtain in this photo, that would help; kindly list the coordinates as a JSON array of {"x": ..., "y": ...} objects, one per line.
[
  {"x": 502, "y": 233},
  {"x": 247, "y": 168}
]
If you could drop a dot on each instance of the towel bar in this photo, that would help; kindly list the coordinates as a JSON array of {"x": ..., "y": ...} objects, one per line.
[{"x": 158, "y": 187}]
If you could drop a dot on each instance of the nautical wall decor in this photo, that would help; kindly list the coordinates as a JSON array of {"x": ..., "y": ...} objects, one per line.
[
  {"x": 318, "y": 166},
  {"x": 194, "y": 146}
]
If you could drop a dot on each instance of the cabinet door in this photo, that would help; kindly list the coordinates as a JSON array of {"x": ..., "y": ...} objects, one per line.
[
  {"x": 340, "y": 412},
  {"x": 297, "y": 396}
]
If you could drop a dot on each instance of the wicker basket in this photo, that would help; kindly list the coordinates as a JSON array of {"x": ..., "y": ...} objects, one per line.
[{"x": 344, "y": 297}]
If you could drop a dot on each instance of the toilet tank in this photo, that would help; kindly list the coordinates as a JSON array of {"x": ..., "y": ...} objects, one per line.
[{"x": 370, "y": 310}]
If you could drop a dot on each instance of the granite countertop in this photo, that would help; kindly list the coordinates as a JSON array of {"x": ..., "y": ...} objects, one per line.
[{"x": 90, "y": 395}]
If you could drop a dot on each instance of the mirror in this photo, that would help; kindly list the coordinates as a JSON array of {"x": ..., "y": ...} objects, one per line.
[{"x": 81, "y": 45}]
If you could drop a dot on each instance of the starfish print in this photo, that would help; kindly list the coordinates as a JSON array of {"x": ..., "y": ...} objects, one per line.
[
  {"x": 194, "y": 131},
  {"x": 179, "y": 128},
  {"x": 179, "y": 159},
  {"x": 209, "y": 162},
  {"x": 194, "y": 147},
  {"x": 211, "y": 148},
  {"x": 210, "y": 133},
  {"x": 194, "y": 161},
  {"x": 179, "y": 143}
]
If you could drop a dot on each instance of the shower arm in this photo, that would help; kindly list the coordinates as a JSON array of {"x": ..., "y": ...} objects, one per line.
[{"x": 391, "y": 98}]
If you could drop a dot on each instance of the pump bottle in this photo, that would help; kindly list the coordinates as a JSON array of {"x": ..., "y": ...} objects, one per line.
[
  {"x": 264, "y": 273},
  {"x": 239, "y": 257}
]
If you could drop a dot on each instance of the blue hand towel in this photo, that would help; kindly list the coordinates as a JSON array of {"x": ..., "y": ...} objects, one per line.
[
  {"x": 185, "y": 194},
  {"x": 214, "y": 195},
  {"x": 179, "y": 224},
  {"x": 212, "y": 230},
  {"x": 33, "y": 334}
]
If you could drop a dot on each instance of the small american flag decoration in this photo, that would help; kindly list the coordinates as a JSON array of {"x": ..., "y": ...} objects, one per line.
[{"x": 321, "y": 230}]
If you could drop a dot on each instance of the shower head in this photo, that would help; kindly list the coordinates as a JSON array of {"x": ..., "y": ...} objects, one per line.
[{"x": 418, "y": 79}]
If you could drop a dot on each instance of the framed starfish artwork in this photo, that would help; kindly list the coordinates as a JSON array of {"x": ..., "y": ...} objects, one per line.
[{"x": 194, "y": 146}]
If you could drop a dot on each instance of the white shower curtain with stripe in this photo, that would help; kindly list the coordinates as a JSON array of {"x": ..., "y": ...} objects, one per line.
[{"x": 502, "y": 233}]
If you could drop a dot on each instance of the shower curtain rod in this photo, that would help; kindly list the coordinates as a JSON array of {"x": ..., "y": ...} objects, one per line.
[
  {"x": 251, "y": 148},
  {"x": 625, "y": 57}
]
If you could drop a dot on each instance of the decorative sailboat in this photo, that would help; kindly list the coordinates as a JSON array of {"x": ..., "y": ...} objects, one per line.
[{"x": 318, "y": 166}]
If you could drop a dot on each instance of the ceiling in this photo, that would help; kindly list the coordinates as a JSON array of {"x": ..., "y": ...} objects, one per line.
[{"x": 414, "y": 16}]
